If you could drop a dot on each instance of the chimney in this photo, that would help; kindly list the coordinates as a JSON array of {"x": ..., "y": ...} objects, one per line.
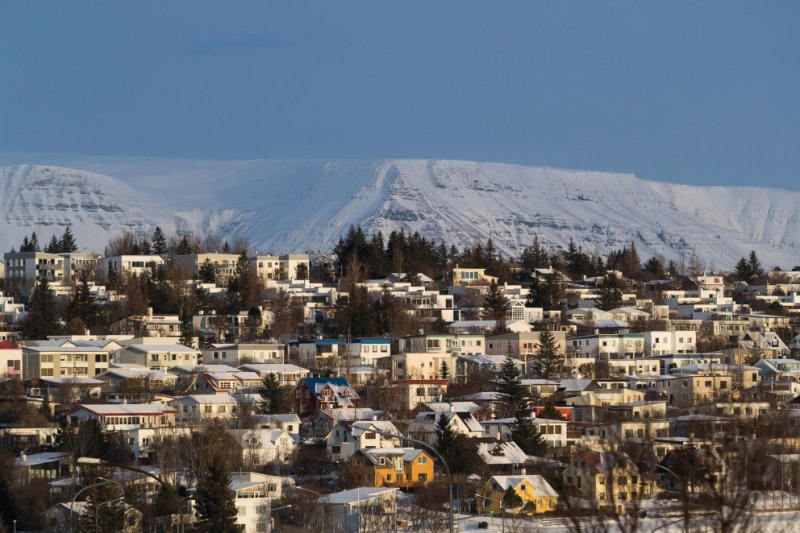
[{"x": 149, "y": 311}]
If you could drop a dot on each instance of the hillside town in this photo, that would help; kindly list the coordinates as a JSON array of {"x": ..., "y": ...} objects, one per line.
[{"x": 184, "y": 382}]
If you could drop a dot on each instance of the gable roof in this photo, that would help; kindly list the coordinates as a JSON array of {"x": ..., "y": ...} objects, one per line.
[{"x": 540, "y": 486}]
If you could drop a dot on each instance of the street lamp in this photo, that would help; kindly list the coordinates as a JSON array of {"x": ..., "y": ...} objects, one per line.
[
  {"x": 437, "y": 454},
  {"x": 271, "y": 510},
  {"x": 318, "y": 497},
  {"x": 84, "y": 489}
]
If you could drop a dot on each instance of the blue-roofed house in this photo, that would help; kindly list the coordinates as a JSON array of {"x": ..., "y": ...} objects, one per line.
[{"x": 314, "y": 394}]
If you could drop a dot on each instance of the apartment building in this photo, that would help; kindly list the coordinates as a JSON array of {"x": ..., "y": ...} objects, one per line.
[{"x": 63, "y": 361}]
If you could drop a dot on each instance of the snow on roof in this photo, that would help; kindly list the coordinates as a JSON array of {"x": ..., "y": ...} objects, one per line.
[
  {"x": 279, "y": 368},
  {"x": 36, "y": 459},
  {"x": 456, "y": 407},
  {"x": 78, "y": 381},
  {"x": 178, "y": 348},
  {"x": 484, "y": 396},
  {"x": 358, "y": 495},
  {"x": 362, "y": 426},
  {"x": 540, "y": 486},
  {"x": 233, "y": 376},
  {"x": 144, "y": 372},
  {"x": 208, "y": 398},
  {"x": 132, "y": 366},
  {"x": 501, "y": 453},
  {"x": 351, "y": 413},
  {"x": 209, "y": 369},
  {"x": 65, "y": 349},
  {"x": 135, "y": 409}
]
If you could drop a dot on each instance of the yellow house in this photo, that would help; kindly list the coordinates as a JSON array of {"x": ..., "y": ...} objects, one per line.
[
  {"x": 394, "y": 467},
  {"x": 535, "y": 493}
]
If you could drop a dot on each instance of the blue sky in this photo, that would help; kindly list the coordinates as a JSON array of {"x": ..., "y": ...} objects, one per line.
[{"x": 693, "y": 92}]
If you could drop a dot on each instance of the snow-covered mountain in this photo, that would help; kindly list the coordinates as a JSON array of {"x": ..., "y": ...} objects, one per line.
[{"x": 295, "y": 205}]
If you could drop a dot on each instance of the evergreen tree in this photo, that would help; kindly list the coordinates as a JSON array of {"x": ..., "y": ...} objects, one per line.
[
  {"x": 511, "y": 500},
  {"x": 655, "y": 267},
  {"x": 34, "y": 243},
  {"x": 552, "y": 363},
  {"x": 550, "y": 413},
  {"x": 301, "y": 271},
  {"x": 610, "y": 293},
  {"x": 755, "y": 265},
  {"x": 526, "y": 436},
  {"x": 444, "y": 371},
  {"x": 535, "y": 256},
  {"x": 355, "y": 314},
  {"x": 54, "y": 246},
  {"x": 495, "y": 306},
  {"x": 545, "y": 292},
  {"x": 159, "y": 242},
  {"x": 184, "y": 247},
  {"x": 207, "y": 272},
  {"x": 273, "y": 396},
  {"x": 67, "y": 243},
  {"x": 187, "y": 330},
  {"x": 214, "y": 500},
  {"x": 461, "y": 458},
  {"x": 42, "y": 319},
  {"x": 26, "y": 245},
  {"x": 509, "y": 385},
  {"x": 83, "y": 306}
]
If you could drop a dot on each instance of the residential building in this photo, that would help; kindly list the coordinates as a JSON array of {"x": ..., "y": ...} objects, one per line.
[
  {"x": 135, "y": 377},
  {"x": 535, "y": 494},
  {"x": 422, "y": 365},
  {"x": 406, "y": 394},
  {"x": 606, "y": 347},
  {"x": 442, "y": 344},
  {"x": 288, "y": 375},
  {"x": 262, "y": 446},
  {"x": 271, "y": 268},
  {"x": 241, "y": 354},
  {"x": 10, "y": 359},
  {"x": 346, "y": 438},
  {"x": 119, "y": 417},
  {"x": 393, "y": 467},
  {"x": 49, "y": 360},
  {"x": 253, "y": 496},
  {"x": 360, "y": 509},
  {"x": 669, "y": 342},
  {"x": 195, "y": 409},
  {"x": 471, "y": 276},
  {"x": 313, "y": 394},
  {"x": 158, "y": 356},
  {"x": 131, "y": 265},
  {"x": 224, "y": 265},
  {"x": 27, "y": 267},
  {"x": 609, "y": 480}
]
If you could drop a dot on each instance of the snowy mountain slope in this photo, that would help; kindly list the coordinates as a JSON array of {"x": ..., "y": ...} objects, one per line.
[{"x": 293, "y": 205}]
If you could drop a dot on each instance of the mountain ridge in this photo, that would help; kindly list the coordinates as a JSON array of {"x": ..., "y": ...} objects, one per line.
[{"x": 306, "y": 204}]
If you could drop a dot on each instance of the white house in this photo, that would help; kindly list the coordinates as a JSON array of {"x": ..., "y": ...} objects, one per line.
[
  {"x": 345, "y": 439},
  {"x": 669, "y": 342},
  {"x": 158, "y": 356},
  {"x": 240, "y": 354},
  {"x": 198, "y": 408}
]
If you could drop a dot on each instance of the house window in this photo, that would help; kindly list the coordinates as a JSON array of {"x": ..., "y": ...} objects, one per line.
[
  {"x": 422, "y": 477},
  {"x": 422, "y": 460}
]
